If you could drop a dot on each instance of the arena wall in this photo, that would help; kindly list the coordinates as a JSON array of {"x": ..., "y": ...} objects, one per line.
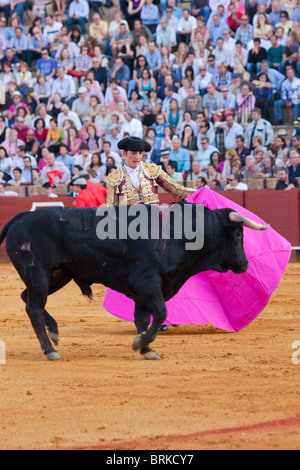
[{"x": 281, "y": 209}]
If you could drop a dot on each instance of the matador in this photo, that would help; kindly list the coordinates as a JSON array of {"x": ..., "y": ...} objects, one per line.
[{"x": 136, "y": 182}]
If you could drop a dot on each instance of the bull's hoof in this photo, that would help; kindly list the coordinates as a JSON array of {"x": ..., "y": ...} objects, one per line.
[
  {"x": 152, "y": 356},
  {"x": 54, "y": 356},
  {"x": 138, "y": 342},
  {"x": 53, "y": 337}
]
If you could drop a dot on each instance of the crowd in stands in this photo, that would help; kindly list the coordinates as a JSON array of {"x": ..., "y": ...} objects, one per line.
[{"x": 203, "y": 81}]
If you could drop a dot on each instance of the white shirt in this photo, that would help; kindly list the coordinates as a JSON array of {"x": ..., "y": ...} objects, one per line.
[
  {"x": 134, "y": 128},
  {"x": 51, "y": 31},
  {"x": 134, "y": 176},
  {"x": 187, "y": 25},
  {"x": 72, "y": 116}
]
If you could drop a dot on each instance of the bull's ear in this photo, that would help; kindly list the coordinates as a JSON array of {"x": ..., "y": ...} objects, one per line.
[{"x": 235, "y": 217}]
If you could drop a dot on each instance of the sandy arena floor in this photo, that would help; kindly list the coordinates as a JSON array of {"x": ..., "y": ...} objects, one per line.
[{"x": 212, "y": 390}]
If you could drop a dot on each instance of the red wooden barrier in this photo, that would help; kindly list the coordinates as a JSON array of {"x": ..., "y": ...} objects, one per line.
[{"x": 281, "y": 209}]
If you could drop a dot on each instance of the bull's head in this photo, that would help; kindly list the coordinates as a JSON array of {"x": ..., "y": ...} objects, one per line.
[{"x": 238, "y": 262}]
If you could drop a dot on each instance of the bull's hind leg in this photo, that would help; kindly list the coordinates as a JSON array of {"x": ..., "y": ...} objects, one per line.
[
  {"x": 59, "y": 280},
  {"x": 142, "y": 320},
  {"x": 36, "y": 297}
]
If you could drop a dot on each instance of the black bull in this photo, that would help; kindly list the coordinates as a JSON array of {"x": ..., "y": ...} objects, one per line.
[{"x": 52, "y": 246}]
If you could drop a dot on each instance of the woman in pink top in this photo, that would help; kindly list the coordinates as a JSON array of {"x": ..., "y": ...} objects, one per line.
[{"x": 236, "y": 10}]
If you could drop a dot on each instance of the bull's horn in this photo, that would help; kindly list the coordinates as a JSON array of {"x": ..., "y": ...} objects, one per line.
[{"x": 235, "y": 217}]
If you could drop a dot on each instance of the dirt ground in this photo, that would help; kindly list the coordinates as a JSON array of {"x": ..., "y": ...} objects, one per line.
[{"x": 211, "y": 390}]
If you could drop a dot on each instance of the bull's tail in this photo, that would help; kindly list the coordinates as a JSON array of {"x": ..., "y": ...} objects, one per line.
[{"x": 9, "y": 224}]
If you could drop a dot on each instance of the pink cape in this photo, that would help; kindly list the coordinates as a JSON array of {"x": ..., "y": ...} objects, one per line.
[{"x": 227, "y": 301}]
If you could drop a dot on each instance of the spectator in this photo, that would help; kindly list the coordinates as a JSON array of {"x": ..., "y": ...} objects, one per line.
[
  {"x": 180, "y": 155},
  {"x": 290, "y": 93},
  {"x": 259, "y": 126},
  {"x": 235, "y": 183},
  {"x": 78, "y": 14},
  {"x": 244, "y": 32},
  {"x": 256, "y": 55},
  {"x": 251, "y": 171},
  {"x": 294, "y": 168},
  {"x": 204, "y": 154},
  {"x": 285, "y": 181},
  {"x": 185, "y": 26},
  {"x": 211, "y": 101},
  {"x": 231, "y": 131},
  {"x": 55, "y": 171}
]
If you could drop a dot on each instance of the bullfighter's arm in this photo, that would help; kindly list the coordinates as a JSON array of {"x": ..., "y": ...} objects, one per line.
[{"x": 173, "y": 187}]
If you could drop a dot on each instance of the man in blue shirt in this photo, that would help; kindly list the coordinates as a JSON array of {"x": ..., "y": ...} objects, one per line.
[
  {"x": 121, "y": 72},
  {"x": 65, "y": 158},
  {"x": 78, "y": 14},
  {"x": 180, "y": 155},
  {"x": 216, "y": 30},
  {"x": 204, "y": 154},
  {"x": 150, "y": 15},
  {"x": 19, "y": 43},
  {"x": 46, "y": 64},
  {"x": 276, "y": 78},
  {"x": 153, "y": 57}
]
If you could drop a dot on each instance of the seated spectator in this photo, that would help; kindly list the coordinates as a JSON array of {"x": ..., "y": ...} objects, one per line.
[
  {"x": 222, "y": 77},
  {"x": 17, "y": 178},
  {"x": 285, "y": 182},
  {"x": 231, "y": 158},
  {"x": 234, "y": 183},
  {"x": 264, "y": 96},
  {"x": 289, "y": 91},
  {"x": 274, "y": 53},
  {"x": 204, "y": 154},
  {"x": 211, "y": 101},
  {"x": 171, "y": 169},
  {"x": 195, "y": 172},
  {"x": 294, "y": 168},
  {"x": 12, "y": 143},
  {"x": 256, "y": 55},
  {"x": 289, "y": 55},
  {"x": 251, "y": 171},
  {"x": 231, "y": 131},
  {"x": 55, "y": 171},
  {"x": 245, "y": 102},
  {"x": 244, "y": 32},
  {"x": 185, "y": 26},
  {"x": 78, "y": 14},
  {"x": 236, "y": 10},
  {"x": 180, "y": 155},
  {"x": 241, "y": 150},
  {"x": 268, "y": 168},
  {"x": 65, "y": 86}
]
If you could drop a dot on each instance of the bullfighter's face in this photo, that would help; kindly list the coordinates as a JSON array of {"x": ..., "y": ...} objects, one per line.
[{"x": 133, "y": 159}]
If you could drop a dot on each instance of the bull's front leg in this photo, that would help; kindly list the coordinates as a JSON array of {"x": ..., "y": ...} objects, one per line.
[
  {"x": 153, "y": 303},
  {"x": 142, "y": 320}
]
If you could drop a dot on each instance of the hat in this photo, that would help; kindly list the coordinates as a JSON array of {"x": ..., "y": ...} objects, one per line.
[
  {"x": 79, "y": 182},
  {"x": 16, "y": 93},
  {"x": 135, "y": 144},
  {"x": 113, "y": 126},
  {"x": 165, "y": 152},
  {"x": 282, "y": 132},
  {"x": 235, "y": 75},
  {"x": 82, "y": 89},
  {"x": 31, "y": 132}
]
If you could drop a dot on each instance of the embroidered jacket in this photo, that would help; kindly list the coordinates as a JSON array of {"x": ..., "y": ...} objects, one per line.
[{"x": 120, "y": 189}]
